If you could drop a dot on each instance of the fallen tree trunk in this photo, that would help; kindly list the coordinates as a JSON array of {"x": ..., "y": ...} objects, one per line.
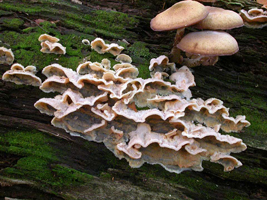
[{"x": 44, "y": 162}]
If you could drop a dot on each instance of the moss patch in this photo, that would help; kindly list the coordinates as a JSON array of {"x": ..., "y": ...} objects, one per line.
[
  {"x": 39, "y": 161},
  {"x": 11, "y": 23},
  {"x": 109, "y": 24}
]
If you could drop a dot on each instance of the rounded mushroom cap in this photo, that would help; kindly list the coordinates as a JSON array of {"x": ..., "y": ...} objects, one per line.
[
  {"x": 212, "y": 43},
  {"x": 181, "y": 14},
  {"x": 220, "y": 19}
]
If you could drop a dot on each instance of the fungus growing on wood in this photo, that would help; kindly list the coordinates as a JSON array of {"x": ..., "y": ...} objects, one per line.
[
  {"x": 20, "y": 75},
  {"x": 254, "y": 18},
  {"x": 6, "y": 56},
  {"x": 123, "y": 58},
  {"x": 106, "y": 63},
  {"x": 50, "y": 44},
  {"x": 46, "y": 37},
  {"x": 161, "y": 65},
  {"x": 56, "y": 48},
  {"x": 141, "y": 120},
  {"x": 86, "y": 42},
  {"x": 177, "y": 145},
  {"x": 101, "y": 47},
  {"x": 183, "y": 78}
]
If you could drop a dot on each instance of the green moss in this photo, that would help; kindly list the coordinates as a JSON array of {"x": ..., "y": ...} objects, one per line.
[
  {"x": 26, "y": 48},
  {"x": 139, "y": 50},
  {"x": 141, "y": 56},
  {"x": 12, "y": 23},
  {"x": 106, "y": 23},
  {"x": 111, "y": 23},
  {"x": 254, "y": 175},
  {"x": 3, "y": 13},
  {"x": 96, "y": 57},
  {"x": 144, "y": 71},
  {"x": 68, "y": 177},
  {"x": 106, "y": 175},
  {"x": 27, "y": 144},
  {"x": 38, "y": 162},
  {"x": 196, "y": 184}
]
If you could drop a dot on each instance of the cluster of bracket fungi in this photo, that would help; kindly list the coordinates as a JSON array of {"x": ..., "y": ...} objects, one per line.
[{"x": 142, "y": 120}]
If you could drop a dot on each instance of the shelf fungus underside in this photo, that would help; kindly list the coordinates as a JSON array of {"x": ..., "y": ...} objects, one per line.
[{"x": 142, "y": 120}]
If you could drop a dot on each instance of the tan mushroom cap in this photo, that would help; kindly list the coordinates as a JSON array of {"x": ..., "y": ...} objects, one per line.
[
  {"x": 213, "y": 43},
  {"x": 46, "y": 37},
  {"x": 220, "y": 19},
  {"x": 181, "y": 14}
]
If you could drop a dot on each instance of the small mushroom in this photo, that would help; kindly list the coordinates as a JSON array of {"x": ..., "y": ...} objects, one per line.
[
  {"x": 6, "y": 56},
  {"x": 114, "y": 49},
  {"x": 46, "y": 37},
  {"x": 99, "y": 45},
  {"x": 106, "y": 63},
  {"x": 50, "y": 44},
  {"x": 161, "y": 64},
  {"x": 86, "y": 42},
  {"x": 123, "y": 58}
]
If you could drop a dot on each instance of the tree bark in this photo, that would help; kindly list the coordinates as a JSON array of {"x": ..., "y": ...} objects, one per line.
[{"x": 39, "y": 161}]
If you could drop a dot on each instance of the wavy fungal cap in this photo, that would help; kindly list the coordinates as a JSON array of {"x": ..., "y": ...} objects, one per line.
[
  {"x": 101, "y": 47},
  {"x": 180, "y": 15},
  {"x": 46, "y": 37},
  {"x": 211, "y": 43},
  {"x": 254, "y": 16},
  {"x": 20, "y": 75},
  {"x": 49, "y": 47},
  {"x": 6, "y": 56}
]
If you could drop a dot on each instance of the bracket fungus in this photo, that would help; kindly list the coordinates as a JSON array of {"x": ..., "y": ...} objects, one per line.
[
  {"x": 254, "y": 18},
  {"x": 163, "y": 134},
  {"x": 6, "y": 56},
  {"x": 101, "y": 47},
  {"x": 161, "y": 65},
  {"x": 20, "y": 75},
  {"x": 50, "y": 44},
  {"x": 123, "y": 58},
  {"x": 142, "y": 120}
]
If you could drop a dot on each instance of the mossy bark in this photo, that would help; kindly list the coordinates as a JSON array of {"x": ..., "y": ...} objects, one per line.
[{"x": 39, "y": 161}]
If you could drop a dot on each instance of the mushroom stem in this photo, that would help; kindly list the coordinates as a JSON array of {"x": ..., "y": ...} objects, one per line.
[
  {"x": 197, "y": 60},
  {"x": 175, "y": 55}
]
